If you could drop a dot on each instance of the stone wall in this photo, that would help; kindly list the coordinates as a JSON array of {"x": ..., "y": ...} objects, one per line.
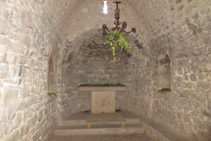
[
  {"x": 93, "y": 63},
  {"x": 33, "y": 33},
  {"x": 172, "y": 49},
  {"x": 181, "y": 30},
  {"x": 28, "y": 34},
  {"x": 89, "y": 18},
  {"x": 168, "y": 31}
]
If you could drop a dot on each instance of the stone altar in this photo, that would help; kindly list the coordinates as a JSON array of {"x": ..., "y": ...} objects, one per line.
[{"x": 103, "y": 98}]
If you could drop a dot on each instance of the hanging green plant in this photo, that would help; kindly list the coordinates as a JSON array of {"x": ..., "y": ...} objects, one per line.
[
  {"x": 52, "y": 94},
  {"x": 164, "y": 90},
  {"x": 117, "y": 40}
]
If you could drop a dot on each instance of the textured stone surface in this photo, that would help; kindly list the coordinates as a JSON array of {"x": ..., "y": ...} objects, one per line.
[
  {"x": 28, "y": 31},
  {"x": 180, "y": 29},
  {"x": 176, "y": 29},
  {"x": 92, "y": 62},
  {"x": 107, "y": 138},
  {"x": 103, "y": 102},
  {"x": 32, "y": 32}
]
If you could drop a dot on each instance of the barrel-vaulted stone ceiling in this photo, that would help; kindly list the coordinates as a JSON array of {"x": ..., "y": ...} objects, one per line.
[
  {"x": 33, "y": 31},
  {"x": 87, "y": 15},
  {"x": 151, "y": 18}
]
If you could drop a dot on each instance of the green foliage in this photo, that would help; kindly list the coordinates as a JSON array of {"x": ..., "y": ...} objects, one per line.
[
  {"x": 164, "y": 90},
  {"x": 52, "y": 94},
  {"x": 102, "y": 85},
  {"x": 118, "y": 41}
]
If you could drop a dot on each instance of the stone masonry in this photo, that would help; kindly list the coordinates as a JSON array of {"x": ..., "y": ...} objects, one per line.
[
  {"x": 28, "y": 34},
  {"x": 93, "y": 64},
  {"x": 56, "y": 45},
  {"x": 181, "y": 30}
]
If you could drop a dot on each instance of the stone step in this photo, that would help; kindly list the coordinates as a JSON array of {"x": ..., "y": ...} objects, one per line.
[
  {"x": 132, "y": 121},
  {"x": 99, "y": 130},
  {"x": 136, "y": 137},
  {"x": 92, "y": 123},
  {"x": 71, "y": 123},
  {"x": 84, "y": 122}
]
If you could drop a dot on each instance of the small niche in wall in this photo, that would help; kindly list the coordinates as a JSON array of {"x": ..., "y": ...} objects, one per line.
[
  {"x": 164, "y": 74},
  {"x": 50, "y": 76}
]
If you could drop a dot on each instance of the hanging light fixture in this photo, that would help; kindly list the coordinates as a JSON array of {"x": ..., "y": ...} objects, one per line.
[{"x": 117, "y": 21}]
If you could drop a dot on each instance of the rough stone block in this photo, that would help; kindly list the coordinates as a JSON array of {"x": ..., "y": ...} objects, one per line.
[
  {"x": 12, "y": 108},
  {"x": 9, "y": 95},
  {"x": 103, "y": 102},
  {"x": 18, "y": 119},
  {"x": 203, "y": 85},
  {"x": 2, "y": 130},
  {"x": 14, "y": 136},
  {"x": 3, "y": 68}
]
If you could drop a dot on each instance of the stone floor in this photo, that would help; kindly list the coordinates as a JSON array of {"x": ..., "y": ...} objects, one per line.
[
  {"x": 137, "y": 137},
  {"x": 108, "y": 127},
  {"x": 104, "y": 127},
  {"x": 85, "y": 117}
]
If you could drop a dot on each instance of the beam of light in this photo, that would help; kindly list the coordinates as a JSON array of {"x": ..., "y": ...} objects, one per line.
[{"x": 105, "y": 8}]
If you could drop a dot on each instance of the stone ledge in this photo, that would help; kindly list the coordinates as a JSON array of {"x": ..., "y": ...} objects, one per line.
[
  {"x": 71, "y": 123},
  {"x": 85, "y": 89},
  {"x": 81, "y": 119},
  {"x": 100, "y": 131}
]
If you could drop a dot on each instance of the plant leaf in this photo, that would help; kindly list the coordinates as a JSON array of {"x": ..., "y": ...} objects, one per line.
[{"x": 118, "y": 41}]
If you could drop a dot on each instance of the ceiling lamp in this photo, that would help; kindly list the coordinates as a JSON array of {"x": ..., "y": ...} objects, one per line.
[{"x": 117, "y": 22}]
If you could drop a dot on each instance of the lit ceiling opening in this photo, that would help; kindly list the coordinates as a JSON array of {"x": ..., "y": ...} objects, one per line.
[{"x": 105, "y": 7}]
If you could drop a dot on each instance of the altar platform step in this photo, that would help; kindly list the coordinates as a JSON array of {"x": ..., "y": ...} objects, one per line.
[
  {"x": 120, "y": 118},
  {"x": 124, "y": 126},
  {"x": 93, "y": 126},
  {"x": 99, "y": 130},
  {"x": 86, "y": 123}
]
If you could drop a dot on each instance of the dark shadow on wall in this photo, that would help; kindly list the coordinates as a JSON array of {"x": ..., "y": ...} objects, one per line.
[
  {"x": 164, "y": 71},
  {"x": 50, "y": 76},
  {"x": 161, "y": 70}
]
